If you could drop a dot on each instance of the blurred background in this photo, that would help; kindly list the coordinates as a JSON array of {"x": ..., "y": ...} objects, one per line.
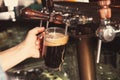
[{"x": 14, "y": 27}]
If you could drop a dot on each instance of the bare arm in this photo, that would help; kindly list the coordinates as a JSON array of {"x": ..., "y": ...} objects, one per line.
[{"x": 26, "y": 49}]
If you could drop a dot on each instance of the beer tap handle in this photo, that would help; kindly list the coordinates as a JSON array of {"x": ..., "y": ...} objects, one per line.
[{"x": 32, "y": 14}]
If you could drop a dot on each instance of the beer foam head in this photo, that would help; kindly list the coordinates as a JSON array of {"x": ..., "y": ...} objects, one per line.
[{"x": 55, "y": 39}]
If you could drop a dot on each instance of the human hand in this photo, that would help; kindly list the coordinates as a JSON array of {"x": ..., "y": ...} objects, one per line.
[{"x": 32, "y": 42}]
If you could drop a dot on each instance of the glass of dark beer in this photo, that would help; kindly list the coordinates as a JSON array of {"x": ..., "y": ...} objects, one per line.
[{"x": 55, "y": 40}]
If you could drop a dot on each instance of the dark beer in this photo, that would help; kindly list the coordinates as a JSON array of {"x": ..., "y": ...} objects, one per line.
[{"x": 54, "y": 46}]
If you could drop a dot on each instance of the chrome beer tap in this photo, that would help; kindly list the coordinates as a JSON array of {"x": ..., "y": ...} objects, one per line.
[
  {"x": 49, "y": 6},
  {"x": 105, "y": 14},
  {"x": 49, "y": 14},
  {"x": 106, "y": 32},
  {"x": 47, "y": 9},
  {"x": 56, "y": 17}
]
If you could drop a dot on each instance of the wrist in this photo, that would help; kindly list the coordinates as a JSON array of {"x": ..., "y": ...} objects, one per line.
[{"x": 23, "y": 50}]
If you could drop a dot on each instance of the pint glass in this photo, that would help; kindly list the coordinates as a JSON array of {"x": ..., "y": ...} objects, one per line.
[{"x": 55, "y": 40}]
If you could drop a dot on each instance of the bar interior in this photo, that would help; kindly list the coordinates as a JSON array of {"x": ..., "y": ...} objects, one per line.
[{"x": 93, "y": 48}]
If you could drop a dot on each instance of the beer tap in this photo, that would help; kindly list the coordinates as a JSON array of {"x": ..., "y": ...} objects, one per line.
[
  {"x": 105, "y": 14},
  {"x": 55, "y": 17},
  {"x": 106, "y": 32},
  {"x": 49, "y": 5},
  {"x": 47, "y": 9}
]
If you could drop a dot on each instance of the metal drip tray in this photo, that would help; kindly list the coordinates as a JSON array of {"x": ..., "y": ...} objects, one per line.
[
  {"x": 37, "y": 74},
  {"x": 36, "y": 71}
]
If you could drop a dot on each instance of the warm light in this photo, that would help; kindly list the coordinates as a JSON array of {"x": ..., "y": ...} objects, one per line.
[{"x": 78, "y": 0}]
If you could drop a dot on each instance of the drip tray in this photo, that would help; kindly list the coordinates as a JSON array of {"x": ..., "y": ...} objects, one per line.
[{"x": 36, "y": 71}]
